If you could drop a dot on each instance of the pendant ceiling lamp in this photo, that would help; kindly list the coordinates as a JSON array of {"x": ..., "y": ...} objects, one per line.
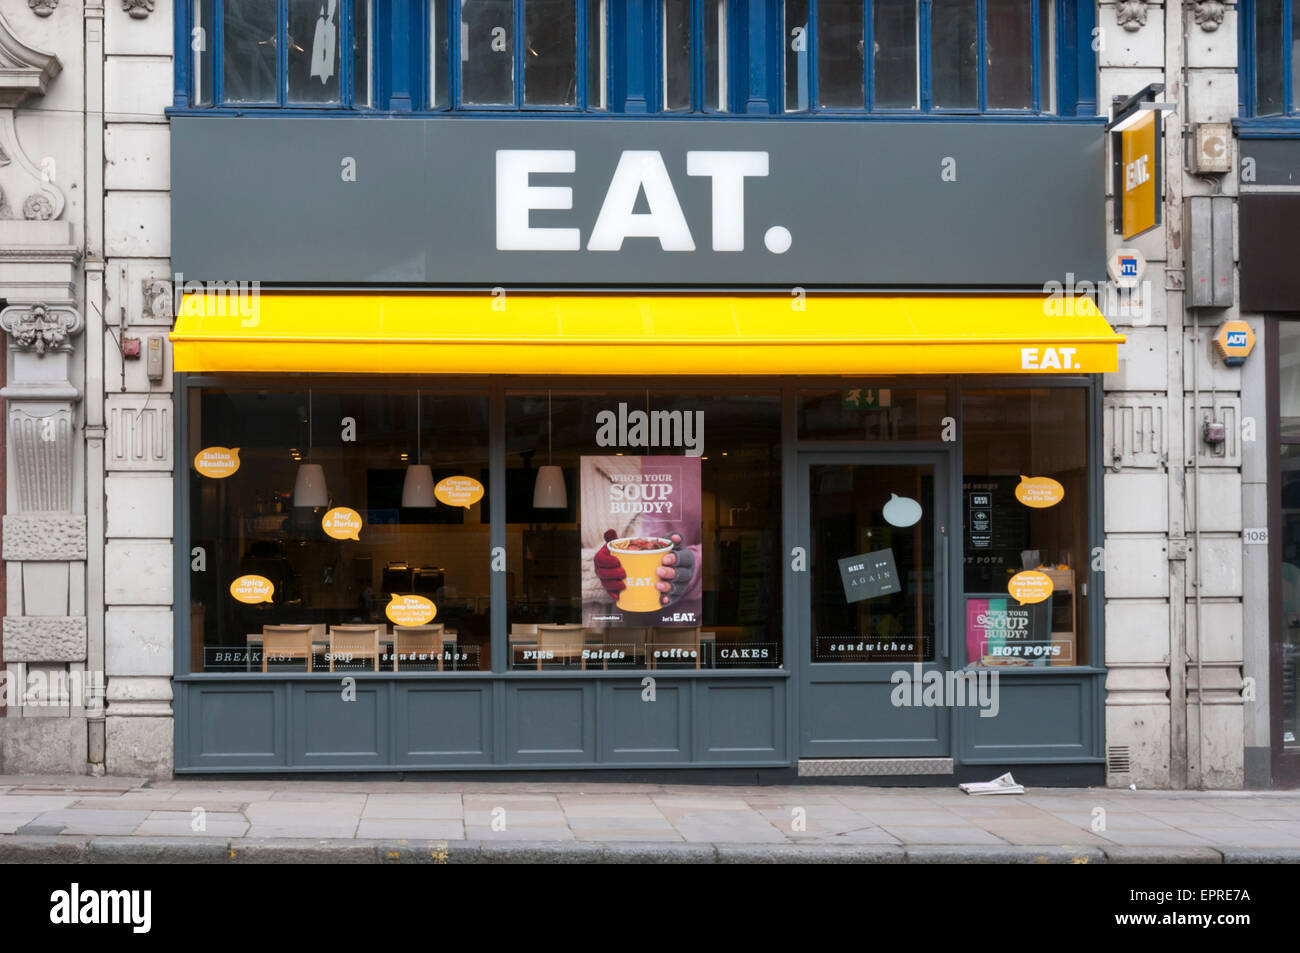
[
  {"x": 417, "y": 487},
  {"x": 309, "y": 487},
  {"x": 548, "y": 491}
]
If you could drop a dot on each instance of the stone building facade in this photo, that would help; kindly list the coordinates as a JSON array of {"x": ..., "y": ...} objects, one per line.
[{"x": 85, "y": 279}]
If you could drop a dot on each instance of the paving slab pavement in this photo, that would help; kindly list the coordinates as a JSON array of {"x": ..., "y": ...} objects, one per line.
[{"x": 91, "y": 820}]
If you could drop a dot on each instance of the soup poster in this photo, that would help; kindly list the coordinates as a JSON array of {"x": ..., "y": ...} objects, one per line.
[{"x": 641, "y": 538}]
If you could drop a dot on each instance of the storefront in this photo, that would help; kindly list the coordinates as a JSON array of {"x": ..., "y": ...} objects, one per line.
[{"x": 580, "y": 445}]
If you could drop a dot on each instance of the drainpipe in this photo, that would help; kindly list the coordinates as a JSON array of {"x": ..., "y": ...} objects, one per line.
[{"x": 94, "y": 396}]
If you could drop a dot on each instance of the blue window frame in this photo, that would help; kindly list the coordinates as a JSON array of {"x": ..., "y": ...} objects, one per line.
[
  {"x": 923, "y": 59},
  {"x": 308, "y": 54},
  {"x": 923, "y": 56},
  {"x": 667, "y": 56},
  {"x": 1269, "y": 37}
]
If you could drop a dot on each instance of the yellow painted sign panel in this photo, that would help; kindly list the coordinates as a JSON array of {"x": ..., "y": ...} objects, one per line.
[
  {"x": 342, "y": 523},
  {"x": 459, "y": 491},
  {"x": 1139, "y": 200},
  {"x": 1030, "y": 586},
  {"x": 1039, "y": 492},
  {"x": 410, "y": 610},
  {"x": 217, "y": 463},
  {"x": 253, "y": 589}
]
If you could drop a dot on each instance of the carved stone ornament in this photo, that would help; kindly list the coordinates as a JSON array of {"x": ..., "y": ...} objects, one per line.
[
  {"x": 42, "y": 8},
  {"x": 1209, "y": 14},
  {"x": 39, "y": 327},
  {"x": 37, "y": 208},
  {"x": 138, "y": 8},
  {"x": 1131, "y": 14}
]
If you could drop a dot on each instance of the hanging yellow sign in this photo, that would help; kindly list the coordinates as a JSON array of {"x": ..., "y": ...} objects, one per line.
[
  {"x": 1140, "y": 176},
  {"x": 252, "y": 589},
  {"x": 342, "y": 523},
  {"x": 410, "y": 610},
  {"x": 1030, "y": 586},
  {"x": 217, "y": 463},
  {"x": 459, "y": 491},
  {"x": 1039, "y": 492}
]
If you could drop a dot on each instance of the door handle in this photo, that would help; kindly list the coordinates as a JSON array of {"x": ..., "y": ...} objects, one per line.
[{"x": 941, "y": 611}]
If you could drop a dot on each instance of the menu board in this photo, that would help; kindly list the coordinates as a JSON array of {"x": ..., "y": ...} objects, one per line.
[{"x": 996, "y": 529}]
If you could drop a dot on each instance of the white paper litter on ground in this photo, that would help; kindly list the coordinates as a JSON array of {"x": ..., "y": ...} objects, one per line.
[{"x": 1003, "y": 785}]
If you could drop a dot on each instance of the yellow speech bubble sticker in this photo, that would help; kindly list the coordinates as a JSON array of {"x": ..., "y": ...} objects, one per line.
[
  {"x": 410, "y": 610},
  {"x": 252, "y": 589},
  {"x": 342, "y": 522},
  {"x": 459, "y": 491},
  {"x": 217, "y": 463},
  {"x": 1039, "y": 492},
  {"x": 1030, "y": 586}
]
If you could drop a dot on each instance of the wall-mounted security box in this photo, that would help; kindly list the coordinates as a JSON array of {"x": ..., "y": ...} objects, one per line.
[
  {"x": 1208, "y": 238},
  {"x": 1212, "y": 150},
  {"x": 154, "y": 358}
]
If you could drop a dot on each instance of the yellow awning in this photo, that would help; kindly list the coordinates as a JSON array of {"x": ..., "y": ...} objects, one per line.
[{"x": 597, "y": 334}]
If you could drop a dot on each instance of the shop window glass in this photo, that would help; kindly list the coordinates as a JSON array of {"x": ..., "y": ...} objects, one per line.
[
  {"x": 1289, "y": 430},
  {"x": 1026, "y": 565},
  {"x": 487, "y": 56},
  {"x": 894, "y": 67},
  {"x": 283, "y": 579},
  {"x": 872, "y": 562},
  {"x": 1009, "y": 41},
  {"x": 873, "y": 413},
  {"x": 1290, "y": 646},
  {"x": 550, "y": 53},
  {"x": 248, "y": 60},
  {"x": 954, "y": 53},
  {"x": 676, "y": 15},
  {"x": 624, "y": 550},
  {"x": 839, "y": 54}
]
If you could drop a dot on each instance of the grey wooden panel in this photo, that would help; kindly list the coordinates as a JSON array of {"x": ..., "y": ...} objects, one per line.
[
  {"x": 636, "y": 731},
  {"x": 550, "y": 722},
  {"x": 233, "y": 726},
  {"x": 443, "y": 724},
  {"x": 740, "y": 722},
  {"x": 327, "y": 730},
  {"x": 859, "y": 720},
  {"x": 1040, "y": 719}
]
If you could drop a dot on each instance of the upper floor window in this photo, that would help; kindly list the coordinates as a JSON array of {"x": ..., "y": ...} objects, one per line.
[
  {"x": 1270, "y": 76},
  {"x": 280, "y": 53},
  {"x": 921, "y": 55},
  {"x": 1008, "y": 58},
  {"x": 547, "y": 54}
]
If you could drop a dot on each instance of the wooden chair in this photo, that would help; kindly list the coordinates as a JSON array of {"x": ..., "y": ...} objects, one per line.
[
  {"x": 416, "y": 639},
  {"x": 672, "y": 639},
  {"x": 286, "y": 642},
  {"x": 563, "y": 640},
  {"x": 360, "y": 641}
]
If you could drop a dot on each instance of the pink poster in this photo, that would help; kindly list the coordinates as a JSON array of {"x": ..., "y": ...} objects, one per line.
[{"x": 641, "y": 536}]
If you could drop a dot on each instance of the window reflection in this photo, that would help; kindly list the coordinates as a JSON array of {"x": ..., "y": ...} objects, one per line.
[
  {"x": 328, "y": 608},
  {"x": 573, "y": 555},
  {"x": 1025, "y": 509}
]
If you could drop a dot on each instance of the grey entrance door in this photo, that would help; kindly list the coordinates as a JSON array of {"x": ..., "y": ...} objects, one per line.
[{"x": 872, "y": 603}]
